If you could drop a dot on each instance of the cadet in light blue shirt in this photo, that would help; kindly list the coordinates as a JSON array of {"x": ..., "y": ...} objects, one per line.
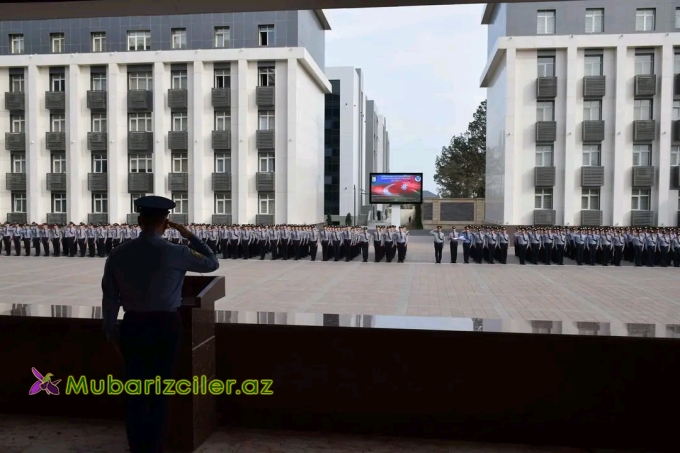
[{"x": 145, "y": 277}]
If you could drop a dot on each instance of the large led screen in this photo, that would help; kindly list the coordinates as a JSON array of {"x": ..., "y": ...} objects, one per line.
[{"x": 396, "y": 188}]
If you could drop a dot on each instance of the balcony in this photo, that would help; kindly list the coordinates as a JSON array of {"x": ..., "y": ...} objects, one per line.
[
  {"x": 641, "y": 218},
  {"x": 56, "y": 218},
  {"x": 544, "y": 217},
  {"x": 140, "y": 100},
  {"x": 546, "y": 131},
  {"x": 264, "y": 219},
  {"x": 544, "y": 176},
  {"x": 97, "y": 218},
  {"x": 675, "y": 178},
  {"x": 264, "y": 139},
  {"x": 97, "y": 182},
  {"x": 182, "y": 219},
  {"x": 178, "y": 182},
  {"x": 132, "y": 219},
  {"x": 221, "y": 140},
  {"x": 15, "y": 182},
  {"x": 591, "y": 217},
  {"x": 592, "y": 131},
  {"x": 15, "y": 141},
  {"x": 55, "y": 141},
  {"x": 140, "y": 141},
  {"x": 265, "y": 182},
  {"x": 221, "y": 182},
  {"x": 594, "y": 87},
  {"x": 178, "y": 140},
  {"x": 221, "y": 98},
  {"x": 15, "y": 101},
  {"x": 17, "y": 217},
  {"x": 177, "y": 99},
  {"x": 675, "y": 131},
  {"x": 265, "y": 96},
  {"x": 645, "y": 85},
  {"x": 644, "y": 130},
  {"x": 643, "y": 176},
  {"x": 221, "y": 219},
  {"x": 96, "y": 100},
  {"x": 56, "y": 182},
  {"x": 592, "y": 176},
  {"x": 546, "y": 88},
  {"x": 140, "y": 183},
  {"x": 97, "y": 141},
  {"x": 55, "y": 100}
]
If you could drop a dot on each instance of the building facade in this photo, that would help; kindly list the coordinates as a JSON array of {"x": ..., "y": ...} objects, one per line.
[
  {"x": 377, "y": 154},
  {"x": 223, "y": 113},
  {"x": 583, "y": 110}
]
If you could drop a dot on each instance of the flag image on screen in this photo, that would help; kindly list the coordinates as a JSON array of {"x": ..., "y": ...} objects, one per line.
[{"x": 394, "y": 188}]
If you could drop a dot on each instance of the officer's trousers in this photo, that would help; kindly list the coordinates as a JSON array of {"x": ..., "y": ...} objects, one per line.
[
  {"x": 150, "y": 343},
  {"x": 453, "y": 248}
]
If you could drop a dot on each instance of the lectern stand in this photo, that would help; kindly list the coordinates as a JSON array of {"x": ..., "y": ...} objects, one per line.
[{"x": 193, "y": 417}]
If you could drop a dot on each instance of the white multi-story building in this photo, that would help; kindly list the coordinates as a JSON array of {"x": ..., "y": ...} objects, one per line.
[
  {"x": 224, "y": 116},
  {"x": 583, "y": 109},
  {"x": 377, "y": 151}
]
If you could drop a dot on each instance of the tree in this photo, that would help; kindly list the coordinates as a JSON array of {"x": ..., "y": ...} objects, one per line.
[
  {"x": 461, "y": 167},
  {"x": 329, "y": 220},
  {"x": 348, "y": 219},
  {"x": 418, "y": 221}
]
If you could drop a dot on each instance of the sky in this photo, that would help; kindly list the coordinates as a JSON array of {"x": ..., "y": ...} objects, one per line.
[{"x": 421, "y": 66}]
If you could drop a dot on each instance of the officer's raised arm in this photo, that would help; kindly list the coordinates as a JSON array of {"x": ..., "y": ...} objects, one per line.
[{"x": 197, "y": 258}]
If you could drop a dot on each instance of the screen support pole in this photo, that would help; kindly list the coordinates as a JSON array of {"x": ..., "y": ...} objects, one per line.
[{"x": 395, "y": 219}]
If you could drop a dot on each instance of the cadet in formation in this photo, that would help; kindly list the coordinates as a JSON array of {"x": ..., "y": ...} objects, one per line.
[{"x": 479, "y": 244}]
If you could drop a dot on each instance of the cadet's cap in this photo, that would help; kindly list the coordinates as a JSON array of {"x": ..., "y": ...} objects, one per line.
[{"x": 154, "y": 203}]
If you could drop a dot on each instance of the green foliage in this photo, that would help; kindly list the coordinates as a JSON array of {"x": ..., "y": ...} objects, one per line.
[
  {"x": 348, "y": 219},
  {"x": 461, "y": 166},
  {"x": 418, "y": 220},
  {"x": 329, "y": 220}
]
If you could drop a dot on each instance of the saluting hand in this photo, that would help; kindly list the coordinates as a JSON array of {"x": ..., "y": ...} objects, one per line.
[{"x": 181, "y": 229}]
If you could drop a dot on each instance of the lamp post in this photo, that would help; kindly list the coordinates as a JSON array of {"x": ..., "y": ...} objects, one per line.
[{"x": 354, "y": 199}]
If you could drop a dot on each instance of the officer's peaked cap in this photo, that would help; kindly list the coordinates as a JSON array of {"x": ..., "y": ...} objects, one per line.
[{"x": 154, "y": 203}]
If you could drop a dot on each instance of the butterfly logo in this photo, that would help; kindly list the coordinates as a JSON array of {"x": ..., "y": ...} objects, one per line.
[{"x": 44, "y": 383}]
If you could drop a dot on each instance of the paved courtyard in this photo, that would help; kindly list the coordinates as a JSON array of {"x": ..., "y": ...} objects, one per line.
[{"x": 418, "y": 287}]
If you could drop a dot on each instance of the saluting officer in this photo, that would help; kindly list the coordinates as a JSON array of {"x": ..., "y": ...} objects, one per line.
[{"x": 438, "y": 244}]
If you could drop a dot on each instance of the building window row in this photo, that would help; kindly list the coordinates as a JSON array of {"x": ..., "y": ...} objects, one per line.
[
  {"x": 590, "y": 199},
  {"x": 645, "y": 20}
]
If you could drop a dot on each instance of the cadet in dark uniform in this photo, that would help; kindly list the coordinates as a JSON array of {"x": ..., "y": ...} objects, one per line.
[{"x": 145, "y": 277}]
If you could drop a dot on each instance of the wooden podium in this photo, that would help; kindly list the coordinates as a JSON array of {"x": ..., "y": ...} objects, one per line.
[{"x": 193, "y": 417}]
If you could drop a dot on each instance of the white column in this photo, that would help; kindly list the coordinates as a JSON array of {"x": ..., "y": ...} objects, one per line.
[
  {"x": 160, "y": 132},
  {"x": 571, "y": 156},
  {"x": 511, "y": 138},
  {"x": 665, "y": 116},
  {"x": 240, "y": 153},
  {"x": 116, "y": 123},
  {"x": 35, "y": 173},
  {"x": 76, "y": 175},
  {"x": 622, "y": 152},
  {"x": 197, "y": 177},
  {"x": 292, "y": 211}
]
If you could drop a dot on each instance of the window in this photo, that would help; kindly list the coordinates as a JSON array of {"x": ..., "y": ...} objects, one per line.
[
  {"x": 57, "y": 82},
  {"x": 222, "y": 121},
  {"x": 139, "y": 40},
  {"x": 179, "y": 80},
  {"x": 100, "y": 203},
  {"x": 676, "y": 63},
  {"x": 266, "y": 163},
  {"x": 266, "y": 77},
  {"x": 266, "y": 203},
  {"x": 98, "y": 41},
  {"x": 140, "y": 81},
  {"x": 19, "y": 202},
  {"x": 676, "y": 110},
  {"x": 266, "y": 33},
  {"x": 594, "y": 20},
  {"x": 592, "y": 110},
  {"x": 140, "y": 122},
  {"x": 179, "y": 121},
  {"x": 642, "y": 155},
  {"x": 19, "y": 163},
  {"x": 677, "y": 17},
  {"x": 675, "y": 156},
  {"x": 640, "y": 200},
  {"x": 17, "y": 123},
  {"x": 58, "y": 163},
  {"x": 16, "y": 43},
  {"x": 222, "y": 163},
  {"x": 544, "y": 199},
  {"x": 546, "y": 23},
  {"x": 642, "y": 109},
  {"x": 57, "y": 41},
  {"x": 99, "y": 122},
  {"x": 593, "y": 65},
  {"x": 141, "y": 163},
  {"x": 57, "y": 123},
  {"x": 179, "y": 38},
  {"x": 222, "y": 78},
  {"x": 98, "y": 82},
  {"x": 644, "y": 19},
  {"x": 16, "y": 83},
  {"x": 180, "y": 163},
  {"x": 181, "y": 200},
  {"x": 222, "y": 37},
  {"x": 544, "y": 156},
  {"x": 266, "y": 122},
  {"x": 134, "y": 197},
  {"x": 223, "y": 203},
  {"x": 590, "y": 199},
  {"x": 546, "y": 67},
  {"x": 99, "y": 163},
  {"x": 545, "y": 111},
  {"x": 58, "y": 203},
  {"x": 591, "y": 156},
  {"x": 644, "y": 64}
]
